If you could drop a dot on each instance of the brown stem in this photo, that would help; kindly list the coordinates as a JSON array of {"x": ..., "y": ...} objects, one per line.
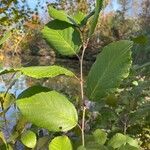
[{"x": 82, "y": 92}]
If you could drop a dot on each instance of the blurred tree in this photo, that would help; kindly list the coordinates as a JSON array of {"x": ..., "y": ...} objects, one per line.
[{"x": 124, "y": 7}]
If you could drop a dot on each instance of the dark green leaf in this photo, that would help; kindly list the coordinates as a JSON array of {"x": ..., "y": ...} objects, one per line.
[
  {"x": 128, "y": 147},
  {"x": 33, "y": 90},
  {"x": 111, "y": 67},
  {"x": 142, "y": 39},
  {"x": 99, "y": 4},
  {"x": 6, "y": 71}
]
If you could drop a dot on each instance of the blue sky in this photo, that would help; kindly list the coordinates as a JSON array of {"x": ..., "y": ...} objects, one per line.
[{"x": 113, "y": 6}]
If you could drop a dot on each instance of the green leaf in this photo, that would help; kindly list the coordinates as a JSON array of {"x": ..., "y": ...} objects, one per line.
[
  {"x": 39, "y": 72},
  {"x": 142, "y": 39},
  {"x": 33, "y": 90},
  {"x": 78, "y": 17},
  {"x": 49, "y": 110},
  {"x": 58, "y": 14},
  {"x": 96, "y": 147},
  {"x": 29, "y": 139},
  {"x": 6, "y": 71},
  {"x": 92, "y": 142},
  {"x": 7, "y": 100},
  {"x": 62, "y": 37},
  {"x": 117, "y": 140},
  {"x": 100, "y": 136},
  {"x": 60, "y": 143},
  {"x": 132, "y": 142},
  {"x": 111, "y": 67},
  {"x": 128, "y": 147},
  {"x": 3, "y": 143},
  {"x": 99, "y": 4},
  {"x": 81, "y": 148},
  {"x": 5, "y": 37}
]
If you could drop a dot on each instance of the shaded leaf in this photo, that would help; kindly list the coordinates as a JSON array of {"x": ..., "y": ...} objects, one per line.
[
  {"x": 117, "y": 140},
  {"x": 6, "y": 71},
  {"x": 29, "y": 139},
  {"x": 60, "y": 143},
  {"x": 81, "y": 148},
  {"x": 33, "y": 90},
  {"x": 49, "y": 110},
  {"x": 96, "y": 147},
  {"x": 100, "y": 136},
  {"x": 92, "y": 143},
  {"x": 128, "y": 147},
  {"x": 42, "y": 143},
  {"x": 111, "y": 100},
  {"x": 111, "y": 67},
  {"x": 99, "y": 4},
  {"x": 62, "y": 37}
]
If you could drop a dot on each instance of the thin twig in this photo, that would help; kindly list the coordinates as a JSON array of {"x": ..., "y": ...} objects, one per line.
[
  {"x": 82, "y": 91},
  {"x": 81, "y": 73},
  {"x": 83, "y": 126}
]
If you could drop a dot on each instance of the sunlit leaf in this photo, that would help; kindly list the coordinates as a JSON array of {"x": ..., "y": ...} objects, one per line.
[
  {"x": 58, "y": 14},
  {"x": 60, "y": 143},
  {"x": 49, "y": 110},
  {"x": 78, "y": 17},
  {"x": 62, "y": 37},
  {"x": 45, "y": 71},
  {"x": 29, "y": 139},
  {"x": 39, "y": 72}
]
